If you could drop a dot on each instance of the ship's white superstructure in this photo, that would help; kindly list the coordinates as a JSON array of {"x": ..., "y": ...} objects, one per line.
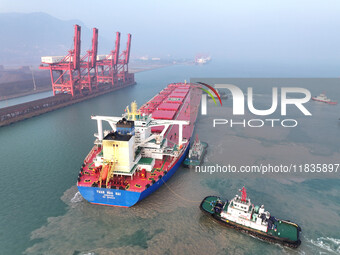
[
  {"x": 196, "y": 150},
  {"x": 241, "y": 211},
  {"x": 323, "y": 98},
  {"x": 132, "y": 140},
  {"x": 202, "y": 60}
]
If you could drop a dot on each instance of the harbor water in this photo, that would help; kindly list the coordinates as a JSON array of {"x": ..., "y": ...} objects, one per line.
[{"x": 42, "y": 212}]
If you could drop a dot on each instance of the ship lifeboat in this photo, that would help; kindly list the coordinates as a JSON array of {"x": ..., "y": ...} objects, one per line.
[
  {"x": 143, "y": 174},
  {"x": 104, "y": 172}
]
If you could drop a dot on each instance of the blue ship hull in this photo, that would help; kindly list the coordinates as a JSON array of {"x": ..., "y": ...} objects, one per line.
[{"x": 125, "y": 198}]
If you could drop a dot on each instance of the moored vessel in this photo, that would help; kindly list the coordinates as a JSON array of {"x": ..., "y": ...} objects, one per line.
[
  {"x": 202, "y": 60},
  {"x": 240, "y": 214},
  {"x": 143, "y": 149},
  {"x": 219, "y": 95},
  {"x": 196, "y": 153},
  {"x": 323, "y": 98}
]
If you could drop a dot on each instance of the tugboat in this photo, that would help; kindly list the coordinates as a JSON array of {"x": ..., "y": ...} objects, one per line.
[
  {"x": 196, "y": 153},
  {"x": 240, "y": 214},
  {"x": 322, "y": 98}
]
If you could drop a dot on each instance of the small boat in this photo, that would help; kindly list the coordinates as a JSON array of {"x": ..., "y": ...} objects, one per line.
[
  {"x": 323, "y": 98},
  {"x": 240, "y": 214},
  {"x": 196, "y": 153},
  {"x": 222, "y": 94},
  {"x": 202, "y": 60}
]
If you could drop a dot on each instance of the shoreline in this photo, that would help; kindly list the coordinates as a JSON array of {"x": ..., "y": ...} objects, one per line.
[
  {"x": 23, "y": 94},
  {"x": 40, "y": 106},
  {"x": 32, "y": 92}
]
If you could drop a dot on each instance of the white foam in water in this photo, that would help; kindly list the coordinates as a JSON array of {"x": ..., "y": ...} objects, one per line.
[
  {"x": 77, "y": 198},
  {"x": 327, "y": 243}
]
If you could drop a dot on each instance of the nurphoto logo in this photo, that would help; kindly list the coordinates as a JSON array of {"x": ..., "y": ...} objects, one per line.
[{"x": 286, "y": 98}]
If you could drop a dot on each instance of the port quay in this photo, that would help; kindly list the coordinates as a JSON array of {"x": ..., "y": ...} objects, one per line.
[{"x": 76, "y": 78}]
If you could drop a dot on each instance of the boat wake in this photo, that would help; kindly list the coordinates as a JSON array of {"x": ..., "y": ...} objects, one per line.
[
  {"x": 327, "y": 243},
  {"x": 77, "y": 198}
]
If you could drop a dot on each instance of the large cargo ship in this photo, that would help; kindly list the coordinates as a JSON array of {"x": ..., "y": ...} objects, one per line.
[
  {"x": 240, "y": 214},
  {"x": 143, "y": 150}
]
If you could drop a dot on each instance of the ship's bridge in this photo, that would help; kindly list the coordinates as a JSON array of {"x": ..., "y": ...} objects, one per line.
[{"x": 240, "y": 204}]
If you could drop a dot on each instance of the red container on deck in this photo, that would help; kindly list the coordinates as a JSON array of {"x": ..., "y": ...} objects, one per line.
[
  {"x": 161, "y": 114},
  {"x": 178, "y": 95},
  {"x": 159, "y": 98},
  {"x": 168, "y": 107},
  {"x": 173, "y": 102},
  {"x": 181, "y": 90}
]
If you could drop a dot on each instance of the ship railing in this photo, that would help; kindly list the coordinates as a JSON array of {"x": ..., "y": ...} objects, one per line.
[
  {"x": 174, "y": 159},
  {"x": 172, "y": 163},
  {"x": 90, "y": 154},
  {"x": 97, "y": 142}
]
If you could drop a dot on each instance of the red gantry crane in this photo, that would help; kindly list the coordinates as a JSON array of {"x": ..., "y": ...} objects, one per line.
[
  {"x": 88, "y": 63},
  {"x": 113, "y": 69},
  {"x": 76, "y": 75},
  {"x": 123, "y": 67},
  {"x": 107, "y": 65},
  {"x": 65, "y": 70},
  {"x": 71, "y": 74}
]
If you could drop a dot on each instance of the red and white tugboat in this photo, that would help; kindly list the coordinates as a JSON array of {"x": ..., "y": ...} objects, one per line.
[
  {"x": 240, "y": 214},
  {"x": 322, "y": 98}
]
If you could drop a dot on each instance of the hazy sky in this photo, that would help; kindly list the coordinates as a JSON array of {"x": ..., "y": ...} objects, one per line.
[{"x": 256, "y": 30}]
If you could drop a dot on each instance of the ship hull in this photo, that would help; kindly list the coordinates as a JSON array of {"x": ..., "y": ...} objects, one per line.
[
  {"x": 327, "y": 102},
  {"x": 250, "y": 231},
  {"x": 126, "y": 198}
]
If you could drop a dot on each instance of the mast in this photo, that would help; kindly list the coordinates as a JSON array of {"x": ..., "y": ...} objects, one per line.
[{"x": 244, "y": 194}]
